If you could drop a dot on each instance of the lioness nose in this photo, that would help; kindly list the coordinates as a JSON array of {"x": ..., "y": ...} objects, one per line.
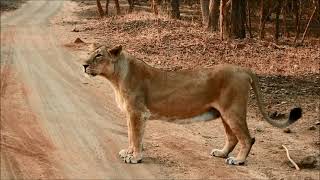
[{"x": 85, "y": 66}]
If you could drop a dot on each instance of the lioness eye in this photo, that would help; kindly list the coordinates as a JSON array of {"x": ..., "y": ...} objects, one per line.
[{"x": 98, "y": 55}]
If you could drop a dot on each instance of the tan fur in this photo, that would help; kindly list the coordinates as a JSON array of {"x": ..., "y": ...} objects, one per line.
[{"x": 144, "y": 93}]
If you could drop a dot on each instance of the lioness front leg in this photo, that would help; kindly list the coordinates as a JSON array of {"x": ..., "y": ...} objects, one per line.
[
  {"x": 124, "y": 152},
  {"x": 136, "y": 127}
]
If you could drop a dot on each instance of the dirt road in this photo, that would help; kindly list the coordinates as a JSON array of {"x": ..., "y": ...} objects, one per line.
[
  {"x": 65, "y": 130},
  {"x": 57, "y": 123}
]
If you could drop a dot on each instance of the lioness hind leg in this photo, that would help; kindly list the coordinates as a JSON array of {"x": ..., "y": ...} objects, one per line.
[
  {"x": 231, "y": 142},
  {"x": 240, "y": 129}
]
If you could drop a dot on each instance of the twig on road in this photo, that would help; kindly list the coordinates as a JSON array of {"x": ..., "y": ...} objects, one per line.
[{"x": 295, "y": 164}]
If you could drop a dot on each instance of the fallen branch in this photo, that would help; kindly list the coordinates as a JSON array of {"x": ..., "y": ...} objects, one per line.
[{"x": 295, "y": 164}]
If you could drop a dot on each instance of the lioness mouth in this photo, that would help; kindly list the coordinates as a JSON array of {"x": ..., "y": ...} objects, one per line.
[
  {"x": 91, "y": 73},
  {"x": 85, "y": 66}
]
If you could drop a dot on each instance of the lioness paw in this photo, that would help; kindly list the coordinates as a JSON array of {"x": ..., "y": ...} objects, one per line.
[
  {"x": 123, "y": 153},
  {"x": 233, "y": 161},
  {"x": 130, "y": 159},
  {"x": 218, "y": 153}
]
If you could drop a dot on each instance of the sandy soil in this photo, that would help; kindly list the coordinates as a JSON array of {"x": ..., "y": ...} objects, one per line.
[{"x": 80, "y": 130}]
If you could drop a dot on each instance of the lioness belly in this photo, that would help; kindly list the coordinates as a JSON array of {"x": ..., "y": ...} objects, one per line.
[
  {"x": 179, "y": 105},
  {"x": 179, "y": 110},
  {"x": 181, "y": 95},
  {"x": 206, "y": 116}
]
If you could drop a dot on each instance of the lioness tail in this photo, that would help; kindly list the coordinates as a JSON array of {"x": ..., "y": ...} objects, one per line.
[{"x": 294, "y": 115}]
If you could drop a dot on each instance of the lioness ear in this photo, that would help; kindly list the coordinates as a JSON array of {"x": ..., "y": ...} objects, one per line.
[{"x": 116, "y": 50}]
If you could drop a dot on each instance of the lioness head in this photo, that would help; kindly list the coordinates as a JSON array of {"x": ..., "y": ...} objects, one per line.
[{"x": 101, "y": 61}]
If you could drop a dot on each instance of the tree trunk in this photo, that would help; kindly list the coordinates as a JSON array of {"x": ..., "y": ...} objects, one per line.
[
  {"x": 222, "y": 18},
  {"x": 116, "y": 2},
  {"x": 131, "y": 5},
  {"x": 249, "y": 18},
  {"x": 238, "y": 19},
  {"x": 264, "y": 14},
  {"x": 107, "y": 7},
  {"x": 319, "y": 10},
  {"x": 175, "y": 12},
  {"x": 100, "y": 10},
  {"x": 306, "y": 29},
  {"x": 205, "y": 11},
  {"x": 213, "y": 15},
  {"x": 297, "y": 9},
  {"x": 285, "y": 11},
  {"x": 277, "y": 24}
]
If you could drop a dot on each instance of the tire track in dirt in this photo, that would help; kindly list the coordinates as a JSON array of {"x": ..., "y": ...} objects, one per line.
[{"x": 25, "y": 148}]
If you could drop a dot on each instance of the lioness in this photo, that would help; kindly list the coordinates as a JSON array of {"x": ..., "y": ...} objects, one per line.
[{"x": 144, "y": 92}]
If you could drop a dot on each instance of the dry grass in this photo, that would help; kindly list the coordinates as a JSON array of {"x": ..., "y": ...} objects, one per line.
[{"x": 172, "y": 44}]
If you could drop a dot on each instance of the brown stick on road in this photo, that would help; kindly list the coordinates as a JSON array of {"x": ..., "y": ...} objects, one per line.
[{"x": 83, "y": 133}]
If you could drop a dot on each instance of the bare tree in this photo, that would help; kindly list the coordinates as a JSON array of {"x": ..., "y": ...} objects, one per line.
[
  {"x": 100, "y": 10},
  {"x": 205, "y": 11},
  {"x": 222, "y": 18},
  {"x": 264, "y": 13},
  {"x": 238, "y": 19},
  {"x": 277, "y": 24},
  {"x": 285, "y": 11},
  {"x": 116, "y": 2},
  {"x": 131, "y": 5},
  {"x": 249, "y": 18},
  {"x": 297, "y": 9},
  {"x": 213, "y": 15},
  {"x": 175, "y": 12},
  {"x": 318, "y": 10},
  {"x": 310, "y": 19}
]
